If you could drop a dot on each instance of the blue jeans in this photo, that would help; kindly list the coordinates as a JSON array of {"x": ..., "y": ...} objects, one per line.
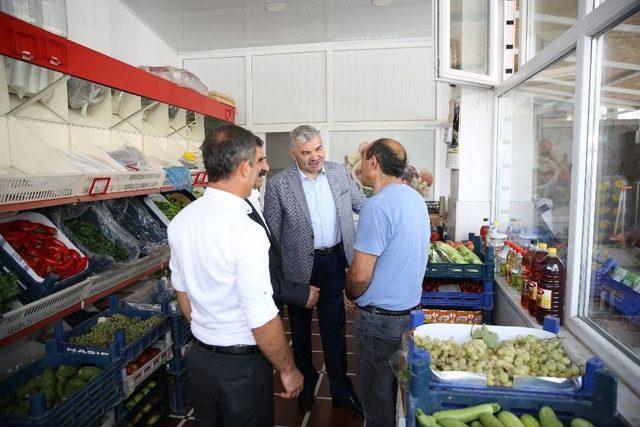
[
  {"x": 329, "y": 275},
  {"x": 377, "y": 338}
]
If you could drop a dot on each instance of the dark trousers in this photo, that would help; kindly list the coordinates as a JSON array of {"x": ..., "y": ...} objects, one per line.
[
  {"x": 231, "y": 390},
  {"x": 329, "y": 275},
  {"x": 377, "y": 339}
]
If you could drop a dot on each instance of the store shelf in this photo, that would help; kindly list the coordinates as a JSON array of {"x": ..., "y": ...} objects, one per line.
[
  {"x": 33, "y": 192},
  {"x": 31, "y": 317},
  {"x": 26, "y": 42}
]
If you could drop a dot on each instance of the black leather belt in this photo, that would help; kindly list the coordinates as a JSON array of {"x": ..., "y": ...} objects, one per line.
[
  {"x": 326, "y": 251},
  {"x": 232, "y": 349},
  {"x": 383, "y": 312}
]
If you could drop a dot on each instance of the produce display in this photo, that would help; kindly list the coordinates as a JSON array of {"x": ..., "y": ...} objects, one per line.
[
  {"x": 490, "y": 415},
  {"x": 9, "y": 291},
  {"x": 102, "y": 333},
  {"x": 131, "y": 214},
  {"x": 95, "y": 241},
  {"x": 39, "y": 247},
  {"x": 170, "y": 208},
  {"x": 500, "y": 360},
  {"x": 142, "y": 360},
  {"x": 437, "y": 315},
  {"x": 453, "y": 252},
  {"x": 57, "y": 386}
]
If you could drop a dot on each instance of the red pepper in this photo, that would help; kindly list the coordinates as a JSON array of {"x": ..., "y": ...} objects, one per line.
[
  {"x": 25, "y": 225},
  {"x": 14, "y": 235},
  {"x": 46, "y": 230},
  {"x": 74, "y": 254},
  {"x": 64, "y": 266}
]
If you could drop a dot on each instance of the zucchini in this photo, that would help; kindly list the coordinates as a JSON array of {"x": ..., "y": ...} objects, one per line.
[
  {"x": 548, "y": 418},
  {"x": 476, "y": 423},
  {"x": 490, "y": 420},
  {"x": 580, "y": 422},
  {"x": 450, "y": 422},
  {"x": 425, "y": 420},
  {"x": 529, "y": 420},
  {"x": 467, "y": 414},
  {"x": 509, "y": 420}
]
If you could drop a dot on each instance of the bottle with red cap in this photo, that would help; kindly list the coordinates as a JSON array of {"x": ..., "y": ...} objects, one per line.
[
  {"x": 552, "y": 273},
  {"x": 534, "y": 278}
]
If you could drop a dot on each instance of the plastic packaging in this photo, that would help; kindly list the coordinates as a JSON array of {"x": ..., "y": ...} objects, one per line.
[
  {"x": 179, "y": 177},
  {"x": 27, "y": 10},
  {"x": 111, "y": 243},
  {"x": 54, "y": 17},
  {"x": 179, "y": 76},
  {"x": 136, "y": 219},
  {"x": 81, "y": 94},
  {"x": 25, "y": 80},
  {"x": 150, "y": 294},
  {"x": 132, "y": 159}
]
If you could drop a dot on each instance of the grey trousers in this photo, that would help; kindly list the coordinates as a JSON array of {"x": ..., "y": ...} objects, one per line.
[{"x": 377, "y": 338}]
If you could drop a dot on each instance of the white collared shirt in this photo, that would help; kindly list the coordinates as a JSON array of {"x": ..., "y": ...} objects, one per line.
[
  {"x": 322, "y": 207},
  {"x": 219, "y": 257},
  {"x": 254, "y": 198}
]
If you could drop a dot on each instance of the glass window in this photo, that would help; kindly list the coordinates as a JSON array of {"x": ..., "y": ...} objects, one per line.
[
  {"x": 548, "y": 19},
  {"x": 468, "y": 22},
  {"x": 534, "y": 155},
  {"x": 613, "y": 299}
]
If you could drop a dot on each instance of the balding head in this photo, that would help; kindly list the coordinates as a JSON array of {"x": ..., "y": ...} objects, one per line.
[{"x": 390, "y": 154}]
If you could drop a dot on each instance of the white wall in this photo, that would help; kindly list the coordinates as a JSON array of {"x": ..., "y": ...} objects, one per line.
[
  {"x": 381, "y": 86},
  {"x": 109, "y": 27}
]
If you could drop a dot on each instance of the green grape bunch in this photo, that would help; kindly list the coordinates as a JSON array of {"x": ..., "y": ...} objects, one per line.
[
  {"x": 103, "y": 332},
  {"x": 523, "y": 355}
]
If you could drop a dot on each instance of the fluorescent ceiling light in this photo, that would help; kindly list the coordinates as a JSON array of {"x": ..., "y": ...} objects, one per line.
[
  {"x": 276, "y": 6},
  {"x": 381, "y": 3}
]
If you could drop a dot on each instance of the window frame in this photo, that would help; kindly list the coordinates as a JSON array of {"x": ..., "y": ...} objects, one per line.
[{"x": 586, "y": 38}]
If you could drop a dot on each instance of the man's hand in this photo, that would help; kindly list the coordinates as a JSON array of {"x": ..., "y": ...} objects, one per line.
[
  {"x": 348, "y": 304},
  {"x": 314, "y": 294},
  {"x": 292, "y": 381}
]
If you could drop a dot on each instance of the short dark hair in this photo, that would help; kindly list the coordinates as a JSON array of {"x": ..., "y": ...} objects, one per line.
[
  {"x": 392, "y": 162},
  {"x": 225, "y": 148}
]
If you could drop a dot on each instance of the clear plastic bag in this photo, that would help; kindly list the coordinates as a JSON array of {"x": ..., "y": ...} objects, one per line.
[
  {"x": 94, "y": 231},
  {"x": 54, "y": 17},
  {"x": 136, "y": 219},
  {"x": 25, "y": 80},
  {"x": 132, "y": 159},
  {"x": 26, "y": 10},
  {"x": 150, "y": 294},
  {"x": 81, "y": 94},
  {"x": 179, "y": 177},
  {"x": 179, "y": 76}
]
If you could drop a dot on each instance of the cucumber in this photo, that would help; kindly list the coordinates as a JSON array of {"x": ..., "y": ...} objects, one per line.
[
  {"x": 450, "y": 422},
  {"x": 509, "y": 420},
  {"x": 425, "y": 420},
  {"x": 548, "y": 418},
  {"x": 529, "y": 420},
  {"x": 490, "y": 420},
  {"x": 476, "y": 423},
  {"x": 467, "y": 414},
  {"x": 579, "y": 422}
]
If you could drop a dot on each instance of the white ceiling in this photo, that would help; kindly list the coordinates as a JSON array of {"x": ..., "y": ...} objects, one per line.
[{"x": 192, "y": 25}]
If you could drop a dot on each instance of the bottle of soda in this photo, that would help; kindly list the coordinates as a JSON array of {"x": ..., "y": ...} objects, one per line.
[
  {"x": 526, "y": 271},
  {"x": 484, "y": 230},
  {"x": 551, "y": 286},
  {"x": 534, "y": 278}
]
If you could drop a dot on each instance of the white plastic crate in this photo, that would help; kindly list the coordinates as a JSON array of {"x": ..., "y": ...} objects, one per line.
[
  {"x": 22, "y": 189},
  {"x": 131, "y": 382}
]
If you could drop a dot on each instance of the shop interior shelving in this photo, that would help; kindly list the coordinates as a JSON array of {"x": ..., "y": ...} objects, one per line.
[{"x": 40, "y": 134}]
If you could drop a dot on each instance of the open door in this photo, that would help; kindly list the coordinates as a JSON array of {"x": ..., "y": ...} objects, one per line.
[{"x": 469, "y": 42}]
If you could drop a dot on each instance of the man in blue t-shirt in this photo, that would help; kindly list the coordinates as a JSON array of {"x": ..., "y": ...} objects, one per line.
[{"x": 385, "y": 278}]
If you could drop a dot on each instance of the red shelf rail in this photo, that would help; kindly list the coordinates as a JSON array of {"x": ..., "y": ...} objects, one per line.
[{"x": 23, "y": 41}]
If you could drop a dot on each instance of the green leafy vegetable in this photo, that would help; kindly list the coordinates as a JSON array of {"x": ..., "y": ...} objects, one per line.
[{"x": 95, "y": 241}]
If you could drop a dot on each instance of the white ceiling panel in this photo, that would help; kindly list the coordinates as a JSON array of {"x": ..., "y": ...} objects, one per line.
[{"x": 192, "y": 25}]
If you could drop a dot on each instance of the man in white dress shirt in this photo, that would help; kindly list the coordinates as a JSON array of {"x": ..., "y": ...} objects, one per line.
[{"x": 220, "y": 270}]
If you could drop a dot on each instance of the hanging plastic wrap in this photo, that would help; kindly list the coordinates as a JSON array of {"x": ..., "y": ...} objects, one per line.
[
  {"x": 136, "y": 219},
  {"x": 179, "y": 177},
  {"x": 25, "y": 80},
  {"x": 54, "y": 17},
  {"x": 150, "y": 294},
  {"x": 179, "y": 76},
  {"x": 26, "y": 10},
  {"x": 81, "y": 94},
  {"x": 92, "y": 228},
  {"x": 132, "y": 159}
]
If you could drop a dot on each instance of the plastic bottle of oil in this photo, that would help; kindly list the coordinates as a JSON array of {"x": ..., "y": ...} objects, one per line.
[
  {"x": 534, "y": 278},
  {"x": 484, "y": 230},
  {"x": 526, "y": 271},
  {"x": 551, "y": 286}
]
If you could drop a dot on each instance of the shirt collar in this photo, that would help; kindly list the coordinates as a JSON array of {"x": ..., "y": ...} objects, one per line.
[
  {"x": 303, "y": 176},
  {"x": 227, "y": 199}
]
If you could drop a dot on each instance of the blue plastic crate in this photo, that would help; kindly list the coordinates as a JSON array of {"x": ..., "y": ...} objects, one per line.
[
  {"x": 180, "y": 330},
  {"x": 180, "y": 399},
  {"x": 124, "y": 415},
  {"x": 596, "y": 400},
  {"x": 177, "y": 365},
  {"x": 619, "y": 296},
  {"x": 118, "y": 346},
  {"x": 83, "y": 407},
  {"x": 482, "y": 272},
  {"x": 469, "y": 300}
]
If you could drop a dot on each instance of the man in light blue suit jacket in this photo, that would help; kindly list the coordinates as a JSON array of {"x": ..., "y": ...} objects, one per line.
[{"x": 309, "y": 209}]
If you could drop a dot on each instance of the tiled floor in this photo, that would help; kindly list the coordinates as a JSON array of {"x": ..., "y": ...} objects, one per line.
[{"x": 287, "y": 412}]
